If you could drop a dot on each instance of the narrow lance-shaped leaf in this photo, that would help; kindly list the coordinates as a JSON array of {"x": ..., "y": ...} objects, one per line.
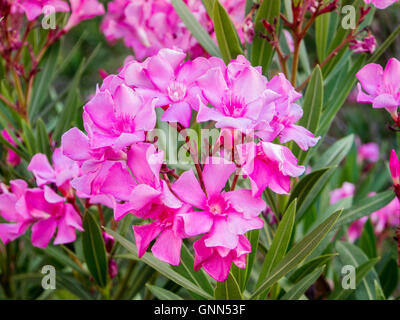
[
  {"x": 297, "y": 254},
  {"x": 299, "y": 288},
  {"x": 163, "y": 294},
  {"x": 312, "y": 108},
  {"x": 94, "y": 250},
  {"x": 195, "y": 27},
  {"x": 228, "y": 290},
  {"x": 262, "y": 52},
  {"x": 228, "y": 40},
  {"x": 279, "y": 244},
  {"x": 160, "y": 266}
]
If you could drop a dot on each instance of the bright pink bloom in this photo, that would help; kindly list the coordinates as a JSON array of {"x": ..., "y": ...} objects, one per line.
[
  {"x": 367, "y": 44},
  {"x": 118, "y": 119},
  {"x": 62, "y": 171},
  {"x": 381, "y": 86},
  {"x": 83, "y": 10},
  {"x": 12, "y": 157},
  {"x": 388, "y": 216},
  {"x": 225, "y": 215},
  {"x": 268, "y": 165},
  {"x": 167, "y": 228},
  {"x": 136, "y": 186},
  {"x": 44, "y": 209},
  {"x": 369, "y": 152},
  {"x": 281, "y": 123},
  {"x": 217, "y": 261},
  {"x": 34, "y": 8},
  {"x": 355, "y": 229},
  {"x": 237, "y": 94},
  {"x": 346, "y": 190},
  {"x": 172, "y": 81},
  {"x": 394, "y": 167},
  {"x": 381, "y": 4}
]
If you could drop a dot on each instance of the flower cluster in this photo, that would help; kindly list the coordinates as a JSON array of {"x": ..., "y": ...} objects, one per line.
[
  {"x": 147, "y": 26},
  {"x": 381, "y": 4},
  {"x": 42, "y": 207},
  {"x": 120, "y": 166},
  {"x": 80, "y": 9}
]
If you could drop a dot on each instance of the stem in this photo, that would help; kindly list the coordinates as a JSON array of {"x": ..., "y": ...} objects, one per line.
[
  {"x": 296, "y": 56},
  {"x": 234, "y": 182}
]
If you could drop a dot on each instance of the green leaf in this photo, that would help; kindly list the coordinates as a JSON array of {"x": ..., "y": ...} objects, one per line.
[
  {"x": 163, "y": 294},
  {"x": 378, "y": 291},
  {"x": 228, "y": 290},
  {"x": 308, "y": 189},
  {"x": 310, "y": 266},
  {"x": 299, "y": 288},
  {"x": 73, "y": 286},
  {"x": 43, "y": 79},
  {"x": 321, "y": 34},
  {"x": 61, "y": 257},
  {"x": 228, "y": 40},
  {"x": 349, "y": 254},
  {"x": 195, "y": 27},
  {"x": 42, "y": 139},
  {"x": 209, "y": 5},
  {"x": 335, "y": 153},
  {"x": 280, "y": 243},
  {"x": 253, "y": 236},
  {"x": 367, "y": 241},
  {"x": 160, "y": 266},
  {"x": 312, "y": 108},
  {"x": 94, "y": 250},
  {"x": 297, "y": 254},
  {"x": 389, "y": 277},
  {"x": 365, "y": 207},
  {"x": 29, "y": 139},
  {"x": 261, "y": 51}
]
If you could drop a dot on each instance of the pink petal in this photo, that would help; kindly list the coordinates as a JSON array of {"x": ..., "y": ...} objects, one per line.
[
  {"x": 167, "y": 247},
  {"x": 144, "y": 234},
  {"x": 42, "y": 232},
  {"x": 216, "y": 173},
  {"x": 188, "y": 189}
]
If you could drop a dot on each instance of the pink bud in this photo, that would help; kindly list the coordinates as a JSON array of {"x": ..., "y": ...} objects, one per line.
[{"x": 394, "y": 167}]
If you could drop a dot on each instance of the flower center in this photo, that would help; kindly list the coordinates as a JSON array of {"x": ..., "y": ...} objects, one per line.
[
  {"x": 234, "y": 106},
  {"x": 176, "y": 91},
  {"x": 125, "y": 123},
  {"x": 217, "y": 206}
]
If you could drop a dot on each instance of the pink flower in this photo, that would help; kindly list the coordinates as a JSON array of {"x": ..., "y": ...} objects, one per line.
[
  {"x": 367, "y": 44},
  {"x": 394, "y": 167},
  {"x": 355, "y": 229},
  {"x": 368, "y": 151},
  {"x": 34, "y": 8},
  {"x": 217, "y": 261},
  {"x": 381, "y": 86},
  {"x": 237, "y": 93},
  {"x": 83, "y": 10},
  {"x": 62, "y": 171},
  {"x": 136, "y": 186},
  {"x": 346, "y": 190},
  {"x": 381, "y": 4},
  {"x": 387, "y": 216},
  {"x": 118, "y": 119},
  {"x": 225, "y": 215},
  {"x": 12, "y": 157},
  {"x": 167, "y": 228},
  {"x": 172, "y": 81},
  {"x": 281, "y": 123},
  {"x": 268, "y": 165},
  {"x": 43, "y": 209}
]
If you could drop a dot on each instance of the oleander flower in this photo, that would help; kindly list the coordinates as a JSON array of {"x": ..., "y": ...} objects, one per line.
[
  {"x": 237, "y": 94},
  {"x": 12, "y": 158},
  {"x": 43, "y": 209},
  {"x": 346, "y": 190},
  {"x": 217, "y": 261},
  {"x": 394, "y": 165},
  {"x": 34, "y": 8},
  {"x": 83, "y": 10},
  {"x": 60, "y": 173},
  {"x": 369, "y": 152},
  {"x": 224, "y": 216},
  {"x": 381, "y": 4},
  {"x": 282, "y": 123},
  {"x": 172, "y": 81},
  {"x": 381, "y": 86},
  {"x": 268, "y": 165}
]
